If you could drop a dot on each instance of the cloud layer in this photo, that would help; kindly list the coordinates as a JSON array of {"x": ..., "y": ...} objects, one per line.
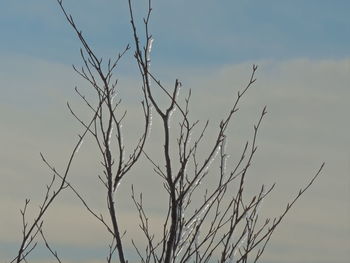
[{"x": 307, "y": 124}]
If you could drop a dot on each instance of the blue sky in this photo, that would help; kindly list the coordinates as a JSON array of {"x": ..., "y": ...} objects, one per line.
[
  {"x": 303, "y": 51},
  {"x": 187, "y": 32}
]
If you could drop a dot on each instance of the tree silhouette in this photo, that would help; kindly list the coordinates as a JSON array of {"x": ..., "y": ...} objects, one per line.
[{"x": 223, "y": 225}]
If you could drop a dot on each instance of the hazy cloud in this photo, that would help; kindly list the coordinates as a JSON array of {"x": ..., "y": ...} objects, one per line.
[{"x": 307, "y": 124}]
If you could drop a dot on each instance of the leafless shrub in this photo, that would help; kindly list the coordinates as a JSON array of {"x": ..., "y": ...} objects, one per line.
[{"x": 224, "y": 226}]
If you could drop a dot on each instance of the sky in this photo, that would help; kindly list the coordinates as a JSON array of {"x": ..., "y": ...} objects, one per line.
[{"x": 302, "y": 49}]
